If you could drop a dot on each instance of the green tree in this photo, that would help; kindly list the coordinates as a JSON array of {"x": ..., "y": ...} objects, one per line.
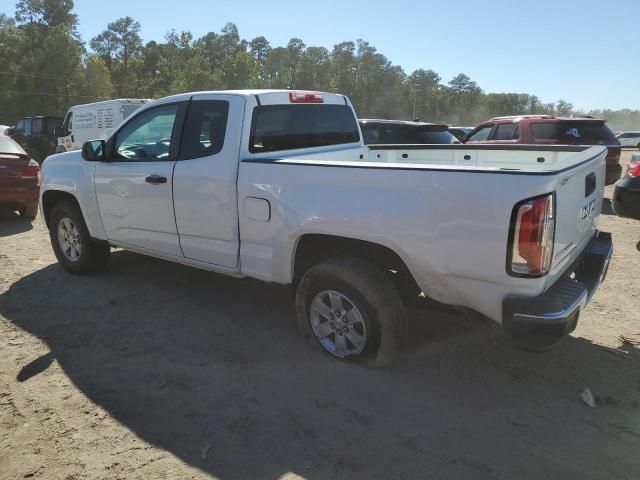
[
  {"x": 97, "y": 79},
  {"x": 563, "y": 108},
  {"x": 120, "y": 41},
  {"x": 47, "y": 30},
  {"x": 295, "y": 50}
]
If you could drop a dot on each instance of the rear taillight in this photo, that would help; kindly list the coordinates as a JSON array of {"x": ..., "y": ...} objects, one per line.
[
  {"x": 306, "y": 97},
  {"x": 531, "y": 238},
  {"x": 32, "y": 170},
  {"x": 634, "y": 169}
]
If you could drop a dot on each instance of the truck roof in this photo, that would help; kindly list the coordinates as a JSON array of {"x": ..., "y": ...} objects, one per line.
[
  {"x": 268, "y": 96},
  {"x": 517, "y": 118},
  {"x": 399, "y": 122}
]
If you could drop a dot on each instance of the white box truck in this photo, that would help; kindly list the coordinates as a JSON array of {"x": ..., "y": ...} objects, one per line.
[{"x": 93, "y": 121}]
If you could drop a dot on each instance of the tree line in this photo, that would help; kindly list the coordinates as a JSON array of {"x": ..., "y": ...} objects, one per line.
[{"x": 47, "y": 67}]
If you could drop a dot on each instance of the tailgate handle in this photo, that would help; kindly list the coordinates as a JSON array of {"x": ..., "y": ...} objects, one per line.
[{"x": 590, "y": 184}]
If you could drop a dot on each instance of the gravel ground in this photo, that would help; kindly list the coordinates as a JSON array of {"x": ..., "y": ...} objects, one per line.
[{"x": 154, "y": 370}]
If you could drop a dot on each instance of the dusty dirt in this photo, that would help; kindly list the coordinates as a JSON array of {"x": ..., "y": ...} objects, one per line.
[{"x": 153, "y": 370}]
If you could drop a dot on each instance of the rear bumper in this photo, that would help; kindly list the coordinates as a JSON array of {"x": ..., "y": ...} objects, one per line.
[
  {"x": 540, "y": 323},
  {"x": 626, "y": 199},
  {"x": 18, "y": 197}
]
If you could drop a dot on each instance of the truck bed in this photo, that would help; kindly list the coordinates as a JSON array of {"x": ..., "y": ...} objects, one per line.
[{"x": 449, "y": 224}]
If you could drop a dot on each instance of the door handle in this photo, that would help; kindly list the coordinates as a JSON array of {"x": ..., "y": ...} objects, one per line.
[{"x": 156, "y": 179}]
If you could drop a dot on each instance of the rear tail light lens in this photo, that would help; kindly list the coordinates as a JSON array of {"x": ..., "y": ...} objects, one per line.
[
  {"x": 533, "y": 224},
  {"x": 634, "y": 169},
  {"x": 32, "y": 170},
  {"x": 306, "y": 97}
]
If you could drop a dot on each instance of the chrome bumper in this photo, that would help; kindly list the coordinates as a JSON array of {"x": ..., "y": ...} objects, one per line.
[{"x": 540, "y": 323}]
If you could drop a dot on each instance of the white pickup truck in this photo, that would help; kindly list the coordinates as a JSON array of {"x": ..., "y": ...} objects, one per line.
[{"x": 278, "y": 186}]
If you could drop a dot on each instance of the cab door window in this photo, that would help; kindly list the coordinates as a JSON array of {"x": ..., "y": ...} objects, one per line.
[{"x": 149, "y": 136}]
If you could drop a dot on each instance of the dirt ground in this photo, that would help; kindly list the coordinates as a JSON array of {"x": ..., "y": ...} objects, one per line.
[{"x": 154, "y": 370}]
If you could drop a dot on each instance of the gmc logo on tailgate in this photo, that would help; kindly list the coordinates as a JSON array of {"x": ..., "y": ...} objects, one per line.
[{"x": 585, "y": 218}]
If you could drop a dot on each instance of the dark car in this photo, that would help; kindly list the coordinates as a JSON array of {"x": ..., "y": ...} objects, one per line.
[
  {"x": 547, "y": 129},
  {"x": 400, "y": 132},
  {"x": 36, "y": 135},
  {"x": 19, "y": 179},
  {"x": 626, "y": 196}
]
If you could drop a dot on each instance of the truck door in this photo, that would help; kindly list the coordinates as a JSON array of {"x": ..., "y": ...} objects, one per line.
[
  {"x": 134, "y": 184},
  {"x": 205, "y": 180}
]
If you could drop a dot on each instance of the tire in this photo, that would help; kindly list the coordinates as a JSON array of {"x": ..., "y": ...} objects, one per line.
[
  {"x": 29, "y": 212},
  {"x": 85, "y": 255},
  {"x": 380, "y": 315}
]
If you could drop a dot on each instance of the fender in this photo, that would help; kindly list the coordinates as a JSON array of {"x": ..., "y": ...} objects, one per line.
[{"x": 69, "y": 173}]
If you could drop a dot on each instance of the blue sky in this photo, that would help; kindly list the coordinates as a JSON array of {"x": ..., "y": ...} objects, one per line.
[{"x": 584, "y": 51}]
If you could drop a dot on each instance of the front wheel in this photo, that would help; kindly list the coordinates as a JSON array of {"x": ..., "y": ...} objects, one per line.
[
  {"x": 72, "y": 244},
  {"x": 352, "y": 310}
]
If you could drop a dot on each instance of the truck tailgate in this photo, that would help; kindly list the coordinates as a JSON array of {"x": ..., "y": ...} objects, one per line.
[{"x": 579, "y": 191}]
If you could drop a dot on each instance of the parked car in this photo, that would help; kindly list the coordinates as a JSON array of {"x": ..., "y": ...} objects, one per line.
[
  {"x": 400, "y": 132},
  {"x": 19, "y": 179},
  {"x": 629, "y": 139},
  {"x": 549, "y": 130},
  {"x": 460, "y": 132},
  {"x": 279, "y": 186},
  {"x": 36, "y": 136},
  {"x": 3, "y": 129},
  {"x": 626, "y": 196},
  {"x": 93, "y": 121}
]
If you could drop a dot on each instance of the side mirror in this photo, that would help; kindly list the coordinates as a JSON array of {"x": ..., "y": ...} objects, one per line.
[
  {"x": 59, "y": 132},
  {"x": 93, "y": 151}
]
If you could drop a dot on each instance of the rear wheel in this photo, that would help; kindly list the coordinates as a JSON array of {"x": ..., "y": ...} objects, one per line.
[
  {"x": 352, "y": 310},
  {"x": 74, "y": 248},
  {"x": 29, "y": 212}
]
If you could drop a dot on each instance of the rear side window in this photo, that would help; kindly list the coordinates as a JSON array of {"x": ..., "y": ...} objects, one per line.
[
  {"x": 573, "y": 132},
  {"x": 288, "y": 127},
  {"x": 9, "y": 146},
  {"x": 507, "y": 131},
  {"x": 204, "y": 129}
]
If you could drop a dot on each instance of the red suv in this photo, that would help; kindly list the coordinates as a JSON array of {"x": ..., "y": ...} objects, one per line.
[{"x": 546, "y": 129}]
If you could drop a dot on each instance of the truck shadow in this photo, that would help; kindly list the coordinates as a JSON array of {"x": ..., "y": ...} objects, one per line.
[
  {"x": 11, "y": 224},
  {"x": 213, "y": 370}
]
